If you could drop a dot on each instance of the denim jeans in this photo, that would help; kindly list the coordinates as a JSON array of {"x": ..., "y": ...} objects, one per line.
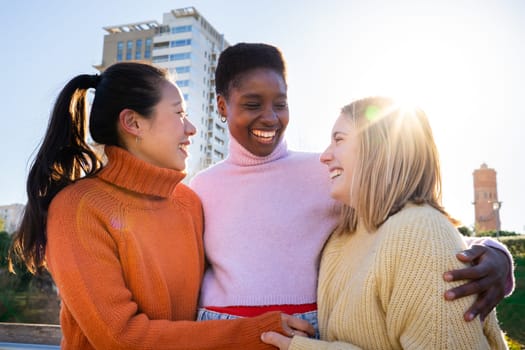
[{"x": 206, "y": 315}]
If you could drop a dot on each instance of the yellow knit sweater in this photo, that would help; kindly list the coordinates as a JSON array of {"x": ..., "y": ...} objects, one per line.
[
  {"x": 125, "y": 250},
  {"x": 384, "y": 290}
]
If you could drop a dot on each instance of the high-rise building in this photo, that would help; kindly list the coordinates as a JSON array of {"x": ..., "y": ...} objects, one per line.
[
  {"x": 128, "y": 42},
  {"x": 188, "y": 46},
  {"x": 486, "y": 202}
]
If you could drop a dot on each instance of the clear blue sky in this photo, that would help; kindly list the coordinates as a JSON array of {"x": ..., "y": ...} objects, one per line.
[{"x": 462, "y": 60}]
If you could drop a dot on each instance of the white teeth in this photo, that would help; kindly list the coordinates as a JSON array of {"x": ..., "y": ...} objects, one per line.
[
  {"x": 335, "y": 173},
  {"x": 183, "y": 147},
  {"x": 265, "y": 134}
]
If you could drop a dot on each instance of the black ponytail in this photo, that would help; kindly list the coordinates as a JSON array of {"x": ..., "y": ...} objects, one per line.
[{"x": 63, "y": 157}]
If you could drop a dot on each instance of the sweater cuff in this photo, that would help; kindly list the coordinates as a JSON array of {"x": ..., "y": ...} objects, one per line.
[
  {"x": 303, "y": 343},
  {"x": 270, "y": 321},
  {"x": 492, "y": 243}
]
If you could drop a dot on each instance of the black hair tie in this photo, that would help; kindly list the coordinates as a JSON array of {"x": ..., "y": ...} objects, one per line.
[{"x": 95, "y": 80}]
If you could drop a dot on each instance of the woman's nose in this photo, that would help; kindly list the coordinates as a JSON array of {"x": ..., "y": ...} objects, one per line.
[
  {"x": 270, "y": 116},
  {"x": 326, "y": 156},
  {"x": 190, "y": 128}
]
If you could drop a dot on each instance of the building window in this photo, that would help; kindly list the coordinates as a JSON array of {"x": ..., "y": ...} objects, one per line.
[
  {"x": 218, "y": 154},
  {"x": 186, "y": 97},
  {"x": 181, "y": 29},
  {"x": 147, "y": 51},
  {"x": 220, "y": 128},
  {"x": 138, "y": 49},
  {"x": 120, "y": 49},
  {"x": 219, "y": 141},
  {"x": 182, "y": 83},
  {"x": 180, "y": 56},
  {"x": 129, "y": 50},
  {"x": 162, "y": 45},
  {"x": 181, "y": 70},
  {"x": 183, "y": 42},
  {"x": 163, "y": 58}
]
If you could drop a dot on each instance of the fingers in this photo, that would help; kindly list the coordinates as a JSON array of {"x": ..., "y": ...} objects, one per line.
[
  {"x": 471, "y": 254},
  {"x": 276, "y": 339},
  {"x": 473, "y": 287},
  {"x": 300, "y": 333},
  {"x": 482, "y": 259},
  {"x": 484, "y": 304},
  {"x": 489, "y": 272},
  {"x": 468, "y": 273},
  {"x": 486, "y": 280},
  {"x": 299, "y": 326}
]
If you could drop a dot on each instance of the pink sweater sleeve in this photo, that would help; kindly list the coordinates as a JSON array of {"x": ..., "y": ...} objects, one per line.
[{"x": 492, "y": 243}]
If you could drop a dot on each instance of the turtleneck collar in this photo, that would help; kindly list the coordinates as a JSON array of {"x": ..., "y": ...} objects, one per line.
[
  {"x": 239, "y": 155},
  {"x": 127, "y": 171}
]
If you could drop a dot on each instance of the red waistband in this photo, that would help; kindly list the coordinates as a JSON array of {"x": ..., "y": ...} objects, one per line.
[{"x": 252, "y": 311}]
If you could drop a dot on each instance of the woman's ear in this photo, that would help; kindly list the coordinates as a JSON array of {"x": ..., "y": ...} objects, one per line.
[
  {"x": 221, "y": 106},
  {"x": 129, "y": 122}
]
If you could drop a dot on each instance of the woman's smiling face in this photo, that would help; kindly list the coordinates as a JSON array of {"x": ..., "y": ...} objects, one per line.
[
  {"x": 341, "y": 158},
  {"x": 257, "y": 110}
]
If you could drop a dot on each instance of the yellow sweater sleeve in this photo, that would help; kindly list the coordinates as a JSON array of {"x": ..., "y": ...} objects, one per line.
[
  {"x": 302, "y": 343},
  {"x": 419, "y": 247}
]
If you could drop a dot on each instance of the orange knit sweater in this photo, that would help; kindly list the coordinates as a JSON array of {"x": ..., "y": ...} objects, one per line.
[{"x": 125, "y": 251}]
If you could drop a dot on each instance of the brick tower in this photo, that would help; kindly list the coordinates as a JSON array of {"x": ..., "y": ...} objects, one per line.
[{"x": 486, "y": 203}]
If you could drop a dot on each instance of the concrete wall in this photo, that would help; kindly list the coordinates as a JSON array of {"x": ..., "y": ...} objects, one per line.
[{"x": 30, "y": 333}]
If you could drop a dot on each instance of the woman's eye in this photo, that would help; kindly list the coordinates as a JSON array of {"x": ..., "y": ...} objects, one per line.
[
  {"x": 281, "y": 106},
  {"x": 182, "y": 114},
  {"x": 252, "y": 106}
]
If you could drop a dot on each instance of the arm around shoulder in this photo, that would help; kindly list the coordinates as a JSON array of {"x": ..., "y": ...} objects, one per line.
[{"x": 501, "y": 248}]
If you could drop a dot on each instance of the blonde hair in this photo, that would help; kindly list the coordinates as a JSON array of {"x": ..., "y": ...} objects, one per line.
[{"x": 398, "y": 163}]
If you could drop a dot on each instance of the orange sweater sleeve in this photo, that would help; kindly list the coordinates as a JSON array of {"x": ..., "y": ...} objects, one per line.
[{"x": 100, "y": 309}]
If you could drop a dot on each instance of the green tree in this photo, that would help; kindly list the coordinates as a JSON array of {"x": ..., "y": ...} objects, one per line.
[
  {"x": 24, "y": 297},
  {"x": 465, "y": 231},
  {"x": 495, "y": 233},
  {"x": 5, "y": 242}
]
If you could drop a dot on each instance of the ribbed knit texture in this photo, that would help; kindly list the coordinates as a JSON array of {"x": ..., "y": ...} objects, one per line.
[
  {"x": 384, "y": 290},
  {"x": 266, "y": 221},
  {"x": 125, "y": 250}
]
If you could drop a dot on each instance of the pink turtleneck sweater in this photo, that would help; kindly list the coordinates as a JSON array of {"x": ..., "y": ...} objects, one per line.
[{"x": 266, "y": 221}]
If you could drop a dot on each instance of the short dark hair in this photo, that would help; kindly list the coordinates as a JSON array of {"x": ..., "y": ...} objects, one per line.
[{"x": 243, "y": 57}]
